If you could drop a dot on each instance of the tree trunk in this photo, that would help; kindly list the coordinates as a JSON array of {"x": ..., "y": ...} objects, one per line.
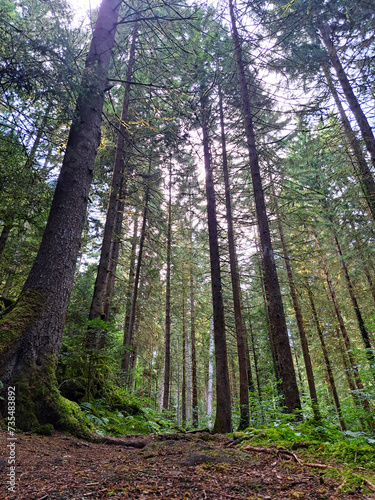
[
  {"x": 131, "y": 277},
  {"x": 255, "y": 355},
  {"x": 275, "y": 359},
  {"x": 31, "y": 334},
  {"x": 353, "y": 298},
  {"x": 167, "y": 340},
  {"x": 298, "y": 314},
  {"x": 365, "y": 176},
  {"x": 327, "y": 362},
  {"x": 210, "y": 381},
  {"x": 277, "y": 317},
  {"x": 183, "y": 388},
  {"x": 236, "y": 287},
  {"x": 344, "y": 332},
  {"x": 223, "y": 421},
  {"x": 128, "y": 335},
  {"x": 99, "y": 296},
  {"x": 192, "y": 333},
  {"x": 4, "y": 236},
  {"x": 364, "y": 126}
]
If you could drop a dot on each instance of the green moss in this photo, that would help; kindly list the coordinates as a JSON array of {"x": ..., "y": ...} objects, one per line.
[
  {"x": 45, "y": 430},
  {"x": 39, "y": 405},
  {"x": 16, "y": 321}
]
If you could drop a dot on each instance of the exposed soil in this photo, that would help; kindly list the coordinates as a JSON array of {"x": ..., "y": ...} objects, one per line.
[{"x": 170, "y": 467}]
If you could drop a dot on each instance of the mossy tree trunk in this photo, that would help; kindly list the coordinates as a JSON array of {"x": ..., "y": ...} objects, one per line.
[{"x": 31, "y": 333}]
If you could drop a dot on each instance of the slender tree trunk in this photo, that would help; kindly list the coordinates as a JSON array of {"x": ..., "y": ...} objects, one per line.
[
  {"x": 223, "y": 421},
  {"x": 327, "y": 362},
  {"x": 353, "y": 298},
  {"x": 4, "y": 235},
  {"x": 298, "y": 314},
  {"x": 32, "y": 332},
  {"x": 236, "y": 287},
  {"x": 344, "y": 332},
  {"x": 364, "y": 126},
  {"x": 114, "y": 254},
  {"x": 192, "y": 333},
  {"x": 210, "y": 382},
  {"x": 275, "y": 360},
  {"x": 167, "y": 340},
  {"x": 128, "y": 336},
  {"x": 365, "y": 175},
  {"x": 99, "y": 296},
  {"x": 365, "y": 268},
  {"x": 183, "y": 388},
  {"x": 277, "y": 317},
  {"x": 130, "y": 285},
  {"x": 255, "y": 355}
]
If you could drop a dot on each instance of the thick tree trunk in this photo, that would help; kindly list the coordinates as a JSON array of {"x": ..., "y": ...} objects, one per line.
[
  {"x": 277, "y": 317},
  {"x": 364, "y": 126},
  {"x": 99, "y": 296},
  {"x": 236, "y": 287},
  {"x": 327, "y": 362},
  {"x": 31, "y": 333},
  {"x": 223, "y": 421},
  {"x": 167, "y": 339},
  {"x": 298, "y": 314},
  {"x": 365, "y": 176},
  {"x": 128, "y": 335}
]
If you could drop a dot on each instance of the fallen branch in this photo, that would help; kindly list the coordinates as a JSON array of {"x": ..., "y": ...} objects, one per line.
[
  {"x": 369, "y": 484},
  {"x": 262, "y": 450},
  {"x": 119, "y": 441},
  {"x": 281, "y": 453}
]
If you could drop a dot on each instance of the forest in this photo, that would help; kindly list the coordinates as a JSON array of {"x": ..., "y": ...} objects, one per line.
[{"x": 187, "y": 219}]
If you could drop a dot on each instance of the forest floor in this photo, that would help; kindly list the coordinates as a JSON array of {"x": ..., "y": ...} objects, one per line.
[{"x": 180, "y": 466}]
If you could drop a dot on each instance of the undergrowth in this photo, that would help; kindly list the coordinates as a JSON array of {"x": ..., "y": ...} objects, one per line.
[
  {"x": 120, "y": 421},
  {"x": 350, "y": 455}
]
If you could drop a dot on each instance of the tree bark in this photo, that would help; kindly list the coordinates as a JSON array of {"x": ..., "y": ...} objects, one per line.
[
  {"x": 327, "y": 362},
  {"x": 298, "y": 314},
  {"x": 364, "y": 126},
  {"x": 99, "y": 296},
  {"x": 353, "y": 298},
  {"x": 223, "y": 421},
  {"x": 128, "y": 336},
  {"x": 354, "y": 365},
  {"x": 194, "y": 388},
  {"x": 4, "y": 236},
  {"x": 236, "y": 287},
  {"x": 167, "y": 340},
  {"x": 183, "y": 388},
  {"x": 277, "y": 317},
  {"x": 31, "y": 334},
  {"x": 365, "y": 176}
]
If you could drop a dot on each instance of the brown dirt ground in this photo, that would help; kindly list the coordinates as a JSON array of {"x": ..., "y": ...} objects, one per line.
[{"x": 181, "y": 467}]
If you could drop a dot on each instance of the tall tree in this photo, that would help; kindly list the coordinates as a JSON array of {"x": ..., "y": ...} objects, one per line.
[
  {"x": 31, "y": 333},
  {"x": 236, "y": 288},
  {"x": 277, "y": 316},
  {"x": 100, "y": 289},
  {"x": 223, "y": 421}
]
